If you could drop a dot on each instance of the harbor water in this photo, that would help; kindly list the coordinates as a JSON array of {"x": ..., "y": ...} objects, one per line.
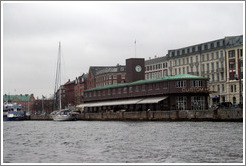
[{"x": 122, "y": 142}]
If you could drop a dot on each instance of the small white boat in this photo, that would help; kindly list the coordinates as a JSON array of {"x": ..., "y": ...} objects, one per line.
[{"x": 63, "y": 115}]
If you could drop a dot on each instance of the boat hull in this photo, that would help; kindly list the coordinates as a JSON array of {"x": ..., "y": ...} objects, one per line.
[
  {"x": 63, "y": 118},
  {"x": 14, "y": 118}
]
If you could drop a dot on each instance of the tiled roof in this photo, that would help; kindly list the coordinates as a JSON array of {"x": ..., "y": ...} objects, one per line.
[
  {"x": 181, "y": 76},
  {"x": 25, "y": 97}
]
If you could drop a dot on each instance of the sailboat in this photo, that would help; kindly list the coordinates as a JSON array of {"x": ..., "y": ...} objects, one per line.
[{"x": 60, "y": 114}]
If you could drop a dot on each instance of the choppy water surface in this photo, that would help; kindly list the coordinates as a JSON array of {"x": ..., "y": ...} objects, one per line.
[{"x": 122, "y": 142}]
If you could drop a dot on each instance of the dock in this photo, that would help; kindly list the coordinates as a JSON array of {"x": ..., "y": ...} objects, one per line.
[{"x": 174, "y": 115}]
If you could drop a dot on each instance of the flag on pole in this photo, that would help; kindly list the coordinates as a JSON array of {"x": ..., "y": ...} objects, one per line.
[
  {"x": 135, "y": 41},
  {"x": 43, "y": 97}
]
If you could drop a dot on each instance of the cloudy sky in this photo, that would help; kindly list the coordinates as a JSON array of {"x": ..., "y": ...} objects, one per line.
[{"x": 100, "y": 34}]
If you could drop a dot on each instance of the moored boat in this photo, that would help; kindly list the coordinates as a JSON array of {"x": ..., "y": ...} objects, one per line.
[
  {"x": 13, "y": 111},
  {"x": 60, "y": 114},
  {"x": 63, "y": 115}
]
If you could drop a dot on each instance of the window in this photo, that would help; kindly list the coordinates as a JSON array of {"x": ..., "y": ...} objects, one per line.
[
  {"x": 130, "y": 89},
  {"x": 114, "y": 91},
  {"x": 119, "y": 91},
  {"x": 150, "y": 87},
  {"x": 187, "y": 60},
  {"x": 191, "y": 59},
  {"x": 109, "y": 91},
  {"x": 183, "y": 61},
  {"x": 203, "y": 67},
  {"x": 218, "y": 76},
  {"x": 221, "y": 54},
  {"x": 179, "y": 61},
  {"x": 187, "y": 69},
  {"x": 125, "y": 90},
  {"x": 181, "y": 103},
  {"x": 157, "y": 86},
  {"x": 197, "y": 102},
  {"x": 137, "y": 89},
  {"x": 231, "y": 88},
  {"x": 196, "y": 58},
  {"x": 180, "y": 84},
  {"x": 183, "y": 70},
  {"x": 235, "y": 88},
  {"x": 207, "y": 57},
  {"x": 223, "y": 87},
  {"x": 123, "y": 76},
  {"x": 218, "y": 88},
  {"x": 143, "y": 87},
  {"x": 212, "y": 55},
  {"x": 212, "y": 77},
  {"x": 212, "y": 66},
  {"x": 196, "y": 83},
  {"x": 217, "y": 55},
  {"x": 222, "y": 65},
  {"x": 203, "y": 58},
  {"x": 231, "y": 53},
  {"x": 232, "y": 64},
  {"x": 217, "y": 65},
  {"x": 114, "y": 76},
  {"x": 218, "y": 43},
  {"x": 207, "y": 67}
]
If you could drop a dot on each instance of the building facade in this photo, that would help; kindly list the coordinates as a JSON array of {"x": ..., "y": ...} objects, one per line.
[
  {"x": 180, "y": 92},
  {"x": 105, "y": 75},
  {"x": 211, "y": 60}
]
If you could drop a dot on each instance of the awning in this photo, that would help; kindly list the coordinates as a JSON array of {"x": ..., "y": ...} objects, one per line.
[
  {"x": 124, "y": 102},
  {"x": 152, "y": 100},
  {"x": 110, "y": 103}
]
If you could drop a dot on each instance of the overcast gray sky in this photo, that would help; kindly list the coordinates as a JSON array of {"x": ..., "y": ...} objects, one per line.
[{"x": 101, "y": 33}]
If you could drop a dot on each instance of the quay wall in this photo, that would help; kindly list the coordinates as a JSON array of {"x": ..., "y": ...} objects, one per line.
[{"x": 176, "y": 115}]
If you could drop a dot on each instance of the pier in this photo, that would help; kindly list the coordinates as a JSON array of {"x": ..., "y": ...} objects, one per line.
[{"x": 175, "y": 115}]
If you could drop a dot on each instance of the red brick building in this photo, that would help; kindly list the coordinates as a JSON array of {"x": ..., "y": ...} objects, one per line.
[{"x": 80, "y": 86}]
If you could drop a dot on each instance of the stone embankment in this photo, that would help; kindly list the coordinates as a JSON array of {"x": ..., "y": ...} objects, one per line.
[{"x": 176, "y": 115}]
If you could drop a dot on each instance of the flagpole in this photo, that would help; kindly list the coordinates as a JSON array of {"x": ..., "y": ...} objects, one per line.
[{"x": 135, "y": 49}]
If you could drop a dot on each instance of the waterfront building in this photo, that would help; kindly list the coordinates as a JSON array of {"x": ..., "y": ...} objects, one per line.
[
  {"x": 179, "y": 92},
  {"x": 26, "y": 101},
  {"x": 209, "y": 59}
]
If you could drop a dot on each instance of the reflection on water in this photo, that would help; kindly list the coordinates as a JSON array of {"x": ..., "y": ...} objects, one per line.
[{"x": 122, "y": 142}]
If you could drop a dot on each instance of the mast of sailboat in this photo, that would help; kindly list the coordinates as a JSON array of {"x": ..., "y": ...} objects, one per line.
[
  {"x": 60, "y": 75},
  {"x": 58, "y": 81}
]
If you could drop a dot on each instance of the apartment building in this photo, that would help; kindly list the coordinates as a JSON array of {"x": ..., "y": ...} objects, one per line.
[
  {"x": 156, "y": 68},
  {"x": 234, "y": 57},
  {"x": 210, "y": 59}
]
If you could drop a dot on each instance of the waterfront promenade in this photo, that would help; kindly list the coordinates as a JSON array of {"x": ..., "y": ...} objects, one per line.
[{"x": 174, "y": 115}]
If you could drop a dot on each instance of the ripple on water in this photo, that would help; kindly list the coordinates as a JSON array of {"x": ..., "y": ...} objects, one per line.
[{"x": 122, "y": 142}]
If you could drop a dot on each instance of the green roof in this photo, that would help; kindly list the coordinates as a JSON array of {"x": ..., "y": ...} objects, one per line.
[
  {"x": 181, "y": 76},
  {"x": 25, "y": 97}
]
